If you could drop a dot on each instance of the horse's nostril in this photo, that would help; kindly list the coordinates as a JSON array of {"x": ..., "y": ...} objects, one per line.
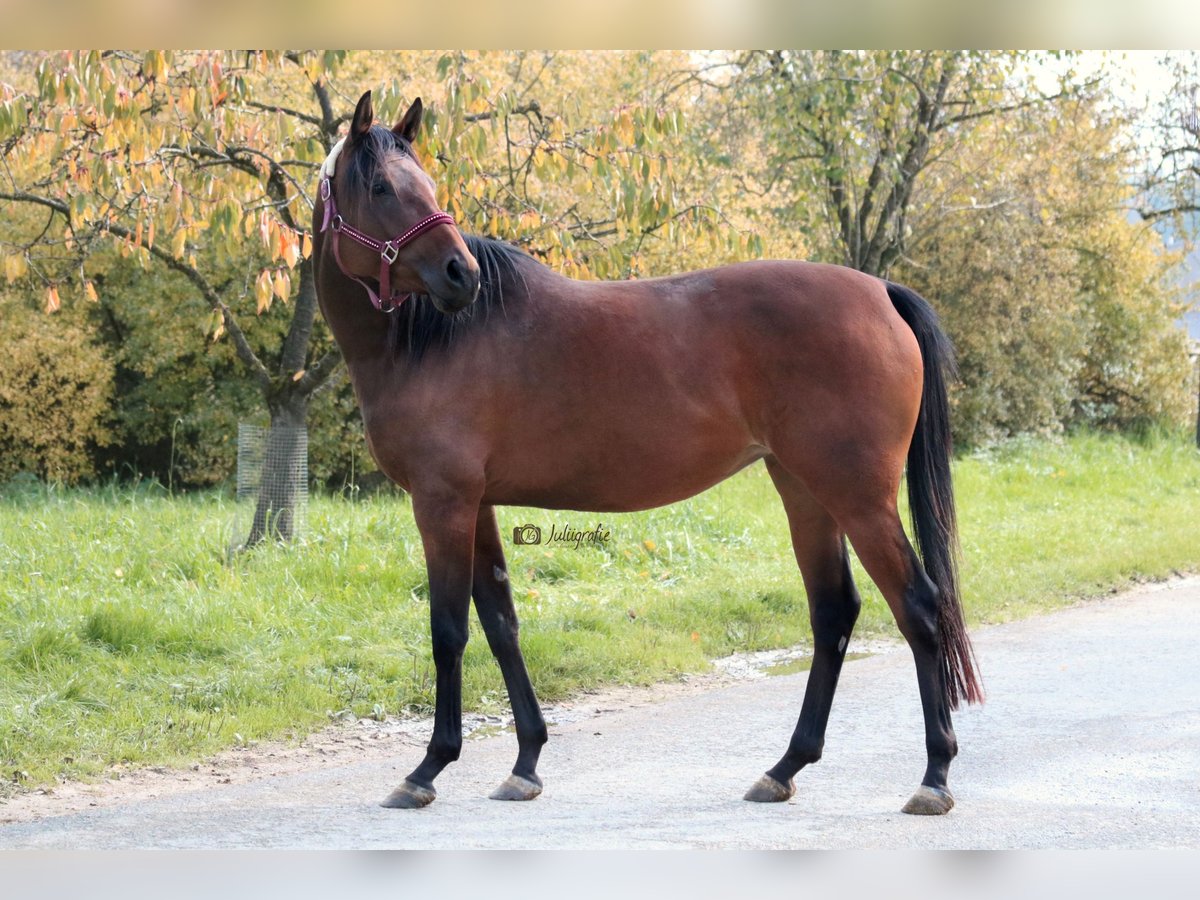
[{"x": 455, "y": 272}]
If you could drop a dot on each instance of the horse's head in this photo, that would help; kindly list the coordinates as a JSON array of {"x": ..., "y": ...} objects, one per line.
[{"x": 384, "y": 198}]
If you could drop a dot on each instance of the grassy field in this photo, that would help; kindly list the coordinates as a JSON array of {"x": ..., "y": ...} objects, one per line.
[{"x": 128, "y": 635}]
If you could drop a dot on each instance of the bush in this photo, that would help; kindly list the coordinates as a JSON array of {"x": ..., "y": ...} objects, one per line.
[
  {"x": 1061, "y": 307},
  {"x": 56, "y": 390}
]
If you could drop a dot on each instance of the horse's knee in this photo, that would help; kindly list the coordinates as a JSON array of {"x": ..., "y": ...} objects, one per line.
[
  {"x": 449, "y": 640},
  {"x": 503, "y": 632},
  {"x": 833, "y": 617},
  {"x": 833, "y": 608}
]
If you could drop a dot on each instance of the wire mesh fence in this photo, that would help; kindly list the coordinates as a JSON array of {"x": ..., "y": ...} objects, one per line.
[{"x": 272, "y": 484}]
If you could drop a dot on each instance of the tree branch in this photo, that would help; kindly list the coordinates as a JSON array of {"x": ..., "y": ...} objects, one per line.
[
  {"x": 329, "y": 122},
  {"x": 244, "y": 351},
  {"x": 531, "y": 107},
  {"x": 320, "y": 372},
  {"x": 1151, "y": 215},
  {"x": 295, "y": 344},
  {"x": 294, "y": 113},
  {"x": 1013, "y": 107}
]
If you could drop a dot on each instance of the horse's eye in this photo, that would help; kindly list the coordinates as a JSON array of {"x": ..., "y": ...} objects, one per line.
[{"x": 378, "y": 188}]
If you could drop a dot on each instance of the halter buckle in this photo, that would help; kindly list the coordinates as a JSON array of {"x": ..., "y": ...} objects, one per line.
[
  {"x": 337, "y": 222},
  {"x": 325, "y": 189},
  {"x": 389, "y": 252}
]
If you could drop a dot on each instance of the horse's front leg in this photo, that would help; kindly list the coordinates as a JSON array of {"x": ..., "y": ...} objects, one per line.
[
  {"x": 494, "y": 603},
  {"x": 446, "y": 520}
]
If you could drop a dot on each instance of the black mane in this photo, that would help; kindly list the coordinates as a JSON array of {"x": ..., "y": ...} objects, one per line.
[{"x": 417, "y": 326}]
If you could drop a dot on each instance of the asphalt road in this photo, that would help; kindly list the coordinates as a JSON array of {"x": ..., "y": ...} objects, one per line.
[{"x": 1090, "y": 739}]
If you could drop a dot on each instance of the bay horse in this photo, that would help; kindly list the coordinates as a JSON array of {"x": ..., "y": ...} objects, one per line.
[{"x": 458, "y": 348}]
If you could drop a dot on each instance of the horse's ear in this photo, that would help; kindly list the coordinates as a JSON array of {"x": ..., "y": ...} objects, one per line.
[
  {"x": 410, "y": 123},
  {"x": 364, "y": 115}
]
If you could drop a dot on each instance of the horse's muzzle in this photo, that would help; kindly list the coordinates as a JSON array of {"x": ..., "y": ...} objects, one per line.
[{"x": 456, "y": 285}]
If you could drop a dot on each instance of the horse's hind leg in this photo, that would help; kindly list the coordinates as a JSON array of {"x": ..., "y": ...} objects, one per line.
[
  {"x": 493, "y": 601},
  {"x": 878, "y": 538},
  {"x": 833, "y": 605}
]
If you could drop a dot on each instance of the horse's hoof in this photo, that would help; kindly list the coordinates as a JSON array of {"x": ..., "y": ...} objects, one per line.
[
  {"x": 768, "y": 790},
  {"x": 409, "y": 796},
  {"x": 514, "y": 787},
  {"x": 929, "y": 801}
]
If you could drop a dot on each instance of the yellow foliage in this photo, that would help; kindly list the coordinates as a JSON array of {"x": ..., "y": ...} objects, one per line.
[
  {"x": 263, "y": 288},
  {"x": 55, "y": 390},
  {"x": 1061, "y": 309},
  {"x": 15, "y": 267},
  {"x": 282, "y": 284}
]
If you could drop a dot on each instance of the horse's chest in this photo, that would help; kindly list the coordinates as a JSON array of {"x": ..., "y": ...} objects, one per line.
[{"x": 388, "y": 446}]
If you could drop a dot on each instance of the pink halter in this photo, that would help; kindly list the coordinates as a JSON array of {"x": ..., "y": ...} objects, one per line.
[{"x": 387, "y": 250}]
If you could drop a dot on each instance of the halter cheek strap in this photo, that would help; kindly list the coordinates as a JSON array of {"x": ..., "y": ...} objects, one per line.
[{"x": 387, "y": 250}]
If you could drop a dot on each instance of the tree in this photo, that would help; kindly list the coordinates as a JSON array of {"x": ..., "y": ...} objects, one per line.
[
  {"x": 1061, "y": 306},
  {"x": 203, "y": 163},
  {"x": 131, "y": 147},
  {"x": 1171, "y": 181},
  {"x": 849, "y": 136},
  {"x": 573, "y": 156}
]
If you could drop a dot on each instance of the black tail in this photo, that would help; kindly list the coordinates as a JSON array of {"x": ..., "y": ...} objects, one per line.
[{"x": 931, "y": 495}]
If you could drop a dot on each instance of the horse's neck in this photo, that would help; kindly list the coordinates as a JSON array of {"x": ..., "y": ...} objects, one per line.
[{"x": 361, "y": 331}]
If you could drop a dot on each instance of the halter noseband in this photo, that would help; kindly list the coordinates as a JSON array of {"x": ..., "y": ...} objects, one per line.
[{"x": 387, "y": 250}]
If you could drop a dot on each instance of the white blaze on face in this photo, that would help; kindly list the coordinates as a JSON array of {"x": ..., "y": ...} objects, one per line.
[{"x": 330, "y": 163}]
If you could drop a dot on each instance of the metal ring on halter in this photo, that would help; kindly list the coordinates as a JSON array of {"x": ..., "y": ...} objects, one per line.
[{"x": 337, "y": 222}]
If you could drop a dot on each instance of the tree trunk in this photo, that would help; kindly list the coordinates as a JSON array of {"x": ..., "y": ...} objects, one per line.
[
  {"x": 287, "y": 395},
  {"x": 285, "y": 466}
]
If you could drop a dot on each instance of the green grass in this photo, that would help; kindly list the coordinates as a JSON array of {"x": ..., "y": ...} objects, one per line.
[{"x": 127, "y": 635}]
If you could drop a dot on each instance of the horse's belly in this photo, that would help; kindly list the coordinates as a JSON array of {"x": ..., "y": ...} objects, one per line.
[{"x": 609, "y": 474}]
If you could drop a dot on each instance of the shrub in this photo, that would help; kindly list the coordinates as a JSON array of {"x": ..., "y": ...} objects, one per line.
[{"x": 55, "y": 394}]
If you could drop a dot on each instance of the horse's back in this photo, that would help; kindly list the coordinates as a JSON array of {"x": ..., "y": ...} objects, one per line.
[
  {"x": 807, "y": 335},
  {"x": 809, "y": 307}
]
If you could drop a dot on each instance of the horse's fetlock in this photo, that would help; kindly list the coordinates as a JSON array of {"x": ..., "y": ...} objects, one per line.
[
  {"x": 446, "y": 751},
  {"x": 806, "y": 753}
]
